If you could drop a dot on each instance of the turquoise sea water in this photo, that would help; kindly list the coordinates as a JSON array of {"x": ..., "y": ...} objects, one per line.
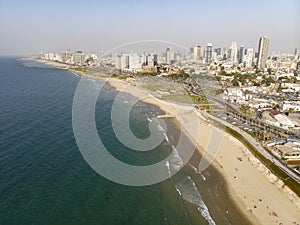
[{"x": 45, "y": 180}]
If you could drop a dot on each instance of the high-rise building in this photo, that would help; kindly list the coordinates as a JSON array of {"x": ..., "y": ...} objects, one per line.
[
  {"x": 125, "y": 61},
  {"x": 297, "y": 71},
  {"x": 241, "y": 54},
  {"x": 262, "y": 52},
  {"x": 168, "y": 55},
  {"x": 135, "y": 61},
  {"x": 66, "y": 57},
  {"x": 214, "y": 57},
  {"x": 249, "y": 57},
  {"x": 208, "y": 53},
  {"x": 152, "y": 60},
  {"x": 118, "y": 62},
  {"x": 172, "y": 58},
  {"x": 225, "y": 53},
  {"x": 296, "y": 54},
  {"x": 233, "y": 52},
  {"x": 197, "y": 53},
  {"x": 218, "y": 51},
  {"x": 78, "y": 58}
]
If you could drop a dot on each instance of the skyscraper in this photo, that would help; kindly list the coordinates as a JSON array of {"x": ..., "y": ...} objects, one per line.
[
  {"x": 208, "y": 53},
  {"x": 218, "y": 51},
  {"x": 262, "y": 52},
  {"x": 241, "y": 53},
  {"x": 249, "y": 57},
  {"x": 125, "y": 61},
  {"x": 197, "y": 52},
  {"x": 233, "y": 52},
  {"x": 168, "y": 55},
  {"x": 118, "y": 62},
  {"x": 152, "y": 60},
  {"x": 296, "y": 54}
]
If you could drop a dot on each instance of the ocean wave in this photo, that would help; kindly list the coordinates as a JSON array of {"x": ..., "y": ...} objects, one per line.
[
  {"x": 160, "y": 128},
  {"x": 197, "y": 171},
  {"x": 166, "y": 137},
  {"x": 175, "y": 161},
  {"x": 189, "y": 192},
  {"x": 178, "y": 192},
  {"x": 168, "y": 167}
]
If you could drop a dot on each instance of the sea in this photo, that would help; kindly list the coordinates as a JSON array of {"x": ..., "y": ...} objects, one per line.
[{"x": 44, "y": 178}]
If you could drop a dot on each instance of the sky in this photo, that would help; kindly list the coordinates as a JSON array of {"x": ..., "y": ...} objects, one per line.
[{"x": 32, "y": 26}]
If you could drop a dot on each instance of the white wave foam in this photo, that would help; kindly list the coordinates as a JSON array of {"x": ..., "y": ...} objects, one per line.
[
  {"x": 194, "y": 168},
  {"x": 160, "y": 128},
  {"x": 175, "y": 161},
  {"x": 178, "y": 191},
  {"x": 168, "y": 166},
  {"x": 166, "y": 137},
  {"x": 190, "y": 193},
  {"x": 197, "y": 172}
]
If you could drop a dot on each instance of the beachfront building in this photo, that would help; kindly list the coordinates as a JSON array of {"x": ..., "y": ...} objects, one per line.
[
  {"x": 135, "y": 63},
  {"x": 262, "y": 52},
  {"x": 276, "y": 118},
  {"x": 66, "y": 57},
  {"x": 118, "y": 62},
  {"x": 122, "y": 62},
  {"x": 288, "y": 150},
  {"x": 78, "y": 58}
]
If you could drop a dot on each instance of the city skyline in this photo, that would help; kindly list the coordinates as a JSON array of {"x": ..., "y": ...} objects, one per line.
[{"x": 34, "y": 26}]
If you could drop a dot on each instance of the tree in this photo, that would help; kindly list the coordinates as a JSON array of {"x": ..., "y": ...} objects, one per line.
[
  {"x": 235, "y": 82},
  {"x": 269, "y": 71},
  {"x": 291, "y": 110}
]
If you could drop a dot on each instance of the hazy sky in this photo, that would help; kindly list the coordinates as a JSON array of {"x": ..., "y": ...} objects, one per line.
[{"x": 32, "y": 26}]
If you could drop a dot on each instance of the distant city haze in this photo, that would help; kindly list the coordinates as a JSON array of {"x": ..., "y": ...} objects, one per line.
[{"x": 29, "y": 27}]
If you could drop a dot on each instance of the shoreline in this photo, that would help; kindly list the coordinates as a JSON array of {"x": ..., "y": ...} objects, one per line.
[{"x": 261, "y": 197}]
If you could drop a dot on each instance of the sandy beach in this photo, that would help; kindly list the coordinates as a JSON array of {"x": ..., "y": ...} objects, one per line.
[{"x": 262, "y": 197}]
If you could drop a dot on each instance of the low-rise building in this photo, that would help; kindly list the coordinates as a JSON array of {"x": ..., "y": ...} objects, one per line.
[
  {"x": 289, "y": 150},
  {"x": 234, "y": 94}
]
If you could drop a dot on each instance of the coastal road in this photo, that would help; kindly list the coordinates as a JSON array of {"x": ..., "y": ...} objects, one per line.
[
  {"x": 254, "y": 120},
  {"x": 256, "y": 145}
]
